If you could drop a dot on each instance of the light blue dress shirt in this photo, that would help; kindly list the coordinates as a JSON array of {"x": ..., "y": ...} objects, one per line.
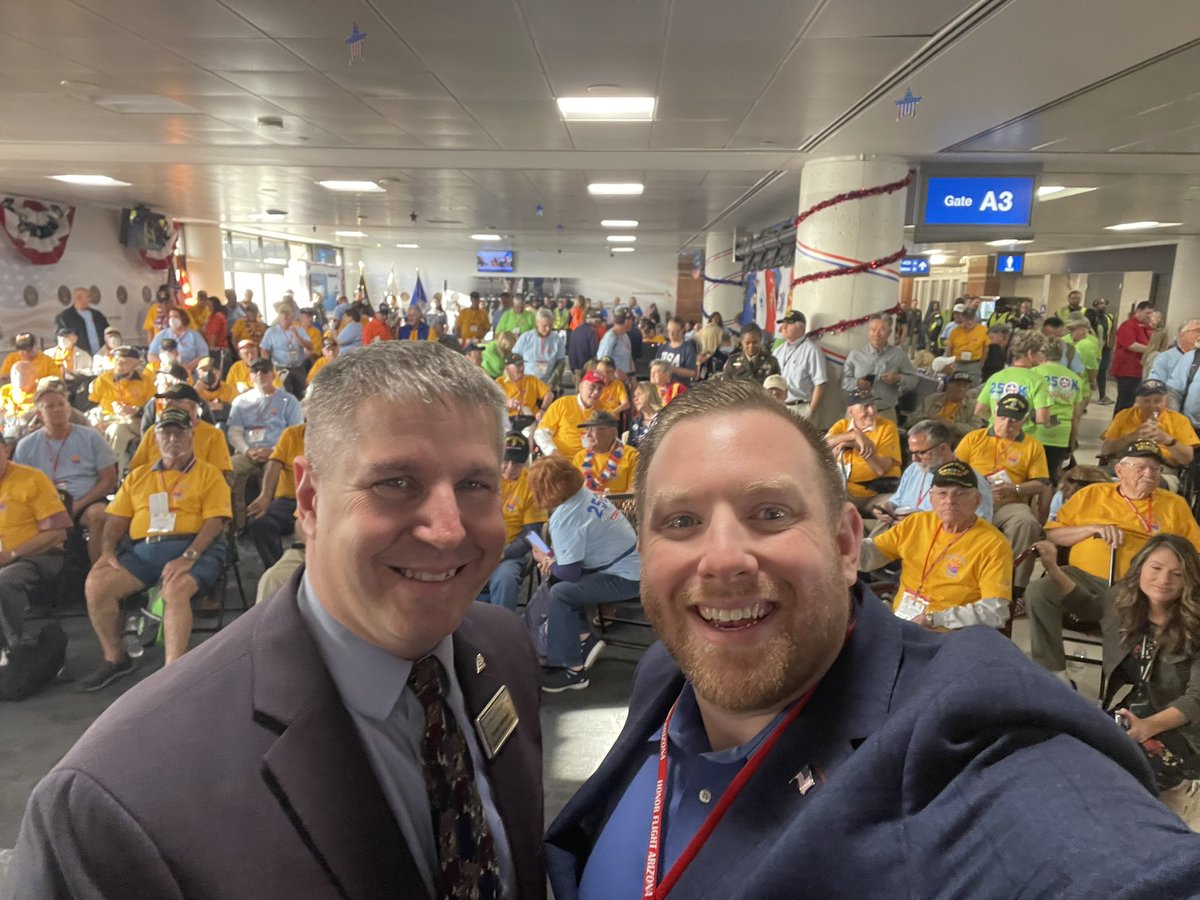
[
  {"x": 541, "y": 354},
  {"x": 390, "y": 720},
  {"x": 272, "y": 414}
]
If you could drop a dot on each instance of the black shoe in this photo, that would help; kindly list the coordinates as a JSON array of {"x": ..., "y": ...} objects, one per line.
[
  {"x": 565, "y": 680},
  {"x": 1104, "y": 401},
  {"x": 106, "y": 675},
  {"x": 591, "y": 650}
]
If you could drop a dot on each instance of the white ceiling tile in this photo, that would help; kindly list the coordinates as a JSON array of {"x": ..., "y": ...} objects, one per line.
[
  {"x": 286, "y": 84},
  {"x": 857, "y": 18},
  {"x": 258, "y": 54},
  {"x": 200, "y": 18}
]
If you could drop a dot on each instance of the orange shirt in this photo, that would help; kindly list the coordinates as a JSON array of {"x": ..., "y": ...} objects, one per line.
[{"x": 375, "y": 329}]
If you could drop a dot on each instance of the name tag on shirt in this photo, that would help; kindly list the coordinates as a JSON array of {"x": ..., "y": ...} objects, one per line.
[
  {"x": 911, "y": 605},
  {"x": 162, "y": 520},
  {"x": 256, "y": 435},
  {"x": 496, "y": 723}
]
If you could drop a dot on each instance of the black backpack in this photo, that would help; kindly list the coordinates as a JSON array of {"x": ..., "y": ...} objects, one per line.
[{"x": 31, "y": 664}]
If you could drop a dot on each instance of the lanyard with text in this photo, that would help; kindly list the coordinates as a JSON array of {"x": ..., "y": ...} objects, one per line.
[
  {"x": 1146, "y": 520},
  {"x": 929, "y": 565},
  {"x": 162, "y": 480}
]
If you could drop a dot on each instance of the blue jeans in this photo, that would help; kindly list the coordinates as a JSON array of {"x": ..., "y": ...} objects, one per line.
[
  {"x": 504, "y": 588},
  {"x": 568, "y": 600}
]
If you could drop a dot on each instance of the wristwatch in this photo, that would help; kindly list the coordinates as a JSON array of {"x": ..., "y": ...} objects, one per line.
[{"x": 190, "y": 555}]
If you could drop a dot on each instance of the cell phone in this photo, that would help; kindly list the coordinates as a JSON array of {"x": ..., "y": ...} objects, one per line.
[
  {"x": 903, "y": 511},
  {"x": 535, "y": 540},
  {"x": 1024, "y": 556}
]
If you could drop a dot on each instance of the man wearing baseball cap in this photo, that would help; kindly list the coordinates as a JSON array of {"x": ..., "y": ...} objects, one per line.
[
  {"x": 606, "y": 463},
  {"x": 164, "y": 526},
  {"x": 1105, "y": 525},
  {"x": 952, "y": 407},
  {"x": 1149, "y": 419},
  {"x": 867, "y": 448},
  {"x": 1015, "y": 465},
  {"x": 208, "y": 441},
  {"x": 522, "y": 516},
  {"x": 526, "y": 396},
  {"x": 257, "y": 419},
  {"x": 120, "y": 396},
  {"x": 616, "y": 343},
  {"x": 239, "y": 373},
  {"x": 71, "y": 361},
  {"x": 801, "y": 363},
  {"x": 956, "y": 568},
  {"x": 558, "y": 430},
  {"x": 27, "y": 351}
]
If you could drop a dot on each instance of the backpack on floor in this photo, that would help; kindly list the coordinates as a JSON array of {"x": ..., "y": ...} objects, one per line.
[
  {"x": 29, "y": 665},
  {"x": 537, "y": 618}
]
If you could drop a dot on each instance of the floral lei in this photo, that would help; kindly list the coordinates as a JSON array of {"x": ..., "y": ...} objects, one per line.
[{"x": 610, "y": 468}]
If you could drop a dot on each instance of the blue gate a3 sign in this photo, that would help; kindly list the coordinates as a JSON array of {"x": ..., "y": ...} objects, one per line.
[{"x": 979, "y": 200}]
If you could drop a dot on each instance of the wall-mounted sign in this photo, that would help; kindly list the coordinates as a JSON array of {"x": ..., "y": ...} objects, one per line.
[
  {"x": 979, "y": 200},
  {"x": 1010, "y": 263},
  {"x": 914, "y": 266}
]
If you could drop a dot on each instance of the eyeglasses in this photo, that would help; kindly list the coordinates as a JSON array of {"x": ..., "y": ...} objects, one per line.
[{"x": 921, "y": 454}]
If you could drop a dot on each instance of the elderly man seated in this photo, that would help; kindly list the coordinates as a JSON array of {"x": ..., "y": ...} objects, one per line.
[
  {"x": 956, "y": 569},
  {"x": 121, "y": 396},
  {"x": 954, "y": 407},
  {"x": 33, "y": 527},
  {"x": 543, "y": 348},
  {"x": 16, "y": 397},
  {"x": 72, "y": 362},
  {"x": 558, "y": 431},
  {"x": 272, "y": 514},
  {"x": 27, "y": 351},
  {"x": 215, "y": 394},
  {"x": 257, "y": 419},
  {"x": 239, "y": 373},
  {"x": 526, "y": 396},
  {"x": 606, "y": 463},
  {"x": 1105, "y": 525},
  {"x": 1015, "y": 465},
  {"x": 165, "y": 524},
  {"x": 1149, "y": 419},
  {"x": 522, "y": 516},
  {"x": 77, "y": 460},
  {"x": 867, "y": 448},
  {"x": 930, "y": 444},
  {"x": 208, "y": 441}
]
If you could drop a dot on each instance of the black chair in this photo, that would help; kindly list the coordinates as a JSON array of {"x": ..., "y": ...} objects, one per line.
[{"x": 220, "y": 591}]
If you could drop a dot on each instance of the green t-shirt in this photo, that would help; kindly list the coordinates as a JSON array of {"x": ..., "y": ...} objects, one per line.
[
  {"x": 1064, "y": 390},
  {"x": 518, "y": 322},
  {"x": 1015, "y": 380}
]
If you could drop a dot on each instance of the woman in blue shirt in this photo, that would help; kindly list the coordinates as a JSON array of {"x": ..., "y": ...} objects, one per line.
[{"x": 350, "y": 337}]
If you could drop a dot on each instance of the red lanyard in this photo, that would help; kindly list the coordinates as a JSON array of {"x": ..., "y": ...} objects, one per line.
[
  {"x": 929, "y": 565},
  {"x": 921, "y": 495},
  {"x": 1004, "y": 452},
  {"x": 58, "y": 455},
  {"x": 1147, "y": 520},
  {"x": 162, "y": 481}
]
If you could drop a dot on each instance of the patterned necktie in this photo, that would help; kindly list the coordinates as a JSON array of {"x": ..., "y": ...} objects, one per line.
[{"x": 464, "y": 842}]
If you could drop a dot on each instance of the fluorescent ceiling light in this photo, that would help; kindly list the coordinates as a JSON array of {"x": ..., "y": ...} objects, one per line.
[
  {"x": 929, "y": 252},
  {"x": 91, "y": 180},
  {"x": 937, "y": 259},
  {"x": 623, "y": 249},
  {"x": 357, "y": 187},
  {"x": 350, "y": 233},
  {"x": 275, "y": 261},
  {"x": 610, "y": 189},
  {"x": 1140, "y": 226},
  {"x": 266, "y": 216},
  {"x": 1047, "y": 189},
  {"x": 1007, "y": 242},
  {"x": 409, "y": 246},
  {"x": 622, "y": 238},
  {"x": 486, "y": 237},
  {"x": 606, "y": 109},
  {"x": 618, "y": 223},
  {"x": 1057, "y": 192}
]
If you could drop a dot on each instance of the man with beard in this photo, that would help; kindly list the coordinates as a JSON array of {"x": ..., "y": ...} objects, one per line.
[{"x": 791, "y": 737}]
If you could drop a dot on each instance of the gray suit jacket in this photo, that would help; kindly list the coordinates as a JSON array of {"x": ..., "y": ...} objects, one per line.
[{"x": 237, "y": 772}]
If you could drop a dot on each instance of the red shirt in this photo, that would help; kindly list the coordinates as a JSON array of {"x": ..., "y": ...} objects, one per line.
[
  {"x": 1127, "y": 363},
  {"x": 671, "y": 391},
  {"x": 375, "y": 329},
  {"x": 216, "y": 332}
]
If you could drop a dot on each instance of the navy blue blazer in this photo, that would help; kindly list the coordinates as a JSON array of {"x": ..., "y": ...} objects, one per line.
[{"x": 950, "y": 765}]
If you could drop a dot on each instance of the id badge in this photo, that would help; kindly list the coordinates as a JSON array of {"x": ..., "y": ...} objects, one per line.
[
  {"x": 1000, "y": 476},
  {"x": 162, "y": 520},
  {"x": 256, "y": 435},
  {"x": 911, "y": 606}
]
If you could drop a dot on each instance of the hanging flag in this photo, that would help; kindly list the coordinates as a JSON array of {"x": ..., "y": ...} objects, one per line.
[
  {"x": 362, "y": 288},
  {"x": 172, "y": 285},
  {"x": 418, "y": 295},
  {"x": 185, "y": 284},
  {"x": 355, "y": 42},
  {"x": 391, "y": 281},
  {"x": 906, "y": 106},
  {"x": 160, "y": 257},
  {"x": 38, "y": 228}
]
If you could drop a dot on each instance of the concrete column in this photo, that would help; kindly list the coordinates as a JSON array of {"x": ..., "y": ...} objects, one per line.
[
  {"x": 1184, "y": 302},
  {"x": 206, "y": 265},
  {"x": 725, "y": 299},
  {"x": 844, "y": 235}
]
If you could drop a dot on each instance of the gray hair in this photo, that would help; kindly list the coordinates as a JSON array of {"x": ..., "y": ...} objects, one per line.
[
  {"x": 936, "y": 431},
  {"x": 1028, "y": 342},
  {"x": 1001, "y": 328},
  {"x": 409, "y": 372},
  {"x": 665, "y": 364},
  {"x": 881, "y": 317},
  {"x": 544, "y": 314}
]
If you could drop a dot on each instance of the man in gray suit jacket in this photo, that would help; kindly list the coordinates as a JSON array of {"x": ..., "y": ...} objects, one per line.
[{"x": 369, "y": 731}]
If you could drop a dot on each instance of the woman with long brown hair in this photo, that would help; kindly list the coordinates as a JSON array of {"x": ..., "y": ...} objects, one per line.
[{"x": 1152, "y": 647}]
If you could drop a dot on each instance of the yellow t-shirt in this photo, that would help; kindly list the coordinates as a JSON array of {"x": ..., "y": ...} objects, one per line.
[
  {"x": 1101, "y": 504},
  {"x": 949, "y": 411},
  {"x": 223, "y": 392},
  {"x": 197, "y": 312},
  {"x": 948, "y": 569},
  {"x": 472, "y": 324},
  {"x": 317, "y": 366},
  {"x": 518, "y": 507},
  {"x": 622, "y": 481},
  {"x": 247, "y": 331},
  {"x": 14, "y": 401},
  {"x": 886, "y": 439},
  {"x": 529, "y": 391},
  {"x": 1176, "y": 425},
  {"x": 27, "y": 496},
  {"x": 194, "y": 495},
  {"x": 613, "y": 397},
  {"x": 1023, "y": 459},
  {"x": 239, "y": 378},
  {"x": 562, "y": 420},
  {"x": 314, "y": 334},
  {"x": 106, "y": 391},
  {"x": 290, "y": 445},
  {"x": 43, "y": 365},
  {"x": 974, "y": 342},
  {"x": 208, "y": 444}
]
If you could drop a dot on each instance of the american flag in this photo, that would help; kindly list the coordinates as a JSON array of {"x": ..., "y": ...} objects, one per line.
[
  {"x": 906, "y": 106},
  {"x": 356, "y": 43}
]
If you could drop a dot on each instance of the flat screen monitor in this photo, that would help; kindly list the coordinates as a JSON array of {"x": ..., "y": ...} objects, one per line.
[
  {"x": 494, "y": 261},
  {"x": 1010, "y": 263}
]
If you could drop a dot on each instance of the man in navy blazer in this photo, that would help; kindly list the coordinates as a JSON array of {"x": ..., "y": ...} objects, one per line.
[
  {"x": 284, "y": 757},
  {"x": 819, "y": 746}
]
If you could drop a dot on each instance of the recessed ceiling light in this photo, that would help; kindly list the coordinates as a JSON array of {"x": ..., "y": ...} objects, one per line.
[
  {"x": 359, "y": 187},
  {"x": 606, "y": 109},
  {"x": 622, "y": 238},
  {"x": 1047, "y": 189},
  {"x": 618, "y": 223},
  {"x": 1007, "y": 242},
  {"x": 1139, "y": 226},
  {"x": 91, "y": 180},
  {"x": 622, "y": 249},
  {"x": 614, "y": 189},
  {"x": 937, "y": 259},
  {"x": 1057, "y": 192},
  {"x": 929, "y": 252},
  {"x": 350, "y": 233},
  {"x": 409, "y": 246},
  {"x": 486, "y": 237}
]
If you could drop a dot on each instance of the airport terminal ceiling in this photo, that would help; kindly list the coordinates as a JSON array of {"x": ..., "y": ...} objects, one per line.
[{"x": 451, "y": 109}]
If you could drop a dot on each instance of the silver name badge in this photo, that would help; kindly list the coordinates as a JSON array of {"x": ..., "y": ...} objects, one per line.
[{"x": 497, "y": 722}]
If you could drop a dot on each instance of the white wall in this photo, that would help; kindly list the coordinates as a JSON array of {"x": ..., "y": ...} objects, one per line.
[
  {"x": 93, "y": 257},
  {"x": 649, "y": 277}
]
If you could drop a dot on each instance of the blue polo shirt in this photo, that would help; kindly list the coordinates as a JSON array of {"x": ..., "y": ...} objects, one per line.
[
  {"x": 266, "y": 414},
  {"x": 73, "y": 464},
  {"x": 697, "y": 777}
]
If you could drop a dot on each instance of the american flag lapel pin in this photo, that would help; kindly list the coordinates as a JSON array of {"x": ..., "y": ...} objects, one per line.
[{"x": 804, "y": 780}]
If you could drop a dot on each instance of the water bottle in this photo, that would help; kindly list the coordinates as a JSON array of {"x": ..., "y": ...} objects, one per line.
[{"x": 130, "y": 638}]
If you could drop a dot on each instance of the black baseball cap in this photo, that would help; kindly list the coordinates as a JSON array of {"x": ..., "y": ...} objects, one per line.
[
  {"x": 1150, "y": 387},
  {"x": 516, "y": 447},
  {"x": 24, "y": 341},
  {"x": 179, "y": 391},
  {"x": 960, "y": 376},
  {"x": 262, "y": 364},
  {"x": 600, "y": 419},
  {"x": 169, "y": 344},
  {"x": 63, "y": 329},
  {"x": 514, "y": 359},
  {"x": 859, "y": 397},
  {"x": 176, "y": 418},
  {"x": 127, "y": 352},
  {"x": 1012, "y": 406},
  {"x": 955, "y": 474},
  {"x": 794, "y": 317},
  {"x": 1147, "y": 449}
]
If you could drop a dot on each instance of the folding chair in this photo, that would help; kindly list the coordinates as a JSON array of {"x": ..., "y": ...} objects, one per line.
[{"x": 220, "y": 590}]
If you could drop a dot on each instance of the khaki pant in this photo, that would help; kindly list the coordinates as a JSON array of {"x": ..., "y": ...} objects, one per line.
[
  {"x": 1017, "y": 524},
  {"x": 1089, "y": 602},
  {"x": 276, "y": 576},
  {"x": 120, "y": 433},
  {"x": 243, "y": 468}
]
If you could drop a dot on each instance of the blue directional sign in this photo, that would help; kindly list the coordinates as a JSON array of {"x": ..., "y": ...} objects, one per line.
[
  {"x": 914, "y": 266},
  {"x": 979, "y": 200},
  {"x": 1010, "y": 263}
]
